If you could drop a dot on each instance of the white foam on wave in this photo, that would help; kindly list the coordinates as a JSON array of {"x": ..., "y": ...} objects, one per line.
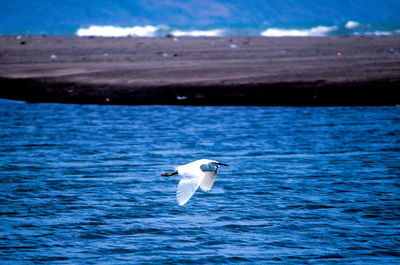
[
  {"x": 379, "y": 33},
  {"x": 112, "y": 31},
  {"x": 318, "y": 31},
  {"x": 198, "y": 33},
  {"x": 352, "y": 24},
  {"x": 350, "y": 28},
  {"x": 144, "y": 31}
]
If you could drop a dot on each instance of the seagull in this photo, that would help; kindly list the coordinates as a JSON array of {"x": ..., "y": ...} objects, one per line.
[{"x": 201, "y": 173}]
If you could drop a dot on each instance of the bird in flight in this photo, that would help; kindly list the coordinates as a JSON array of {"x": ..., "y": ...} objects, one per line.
[{"x": 200, "y": 173}]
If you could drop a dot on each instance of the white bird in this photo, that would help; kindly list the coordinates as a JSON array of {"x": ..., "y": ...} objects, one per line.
[{"x": 200, "y": 173}]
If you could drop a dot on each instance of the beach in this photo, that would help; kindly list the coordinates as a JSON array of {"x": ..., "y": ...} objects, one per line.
[{"x": 295, "y": 71}]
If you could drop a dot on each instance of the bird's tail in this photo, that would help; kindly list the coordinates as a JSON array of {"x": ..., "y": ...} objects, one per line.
[{"x": 168, "y": 174}]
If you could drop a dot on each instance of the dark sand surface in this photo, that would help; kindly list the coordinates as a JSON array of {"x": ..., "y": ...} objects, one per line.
[{"x": 201, "y": 71}]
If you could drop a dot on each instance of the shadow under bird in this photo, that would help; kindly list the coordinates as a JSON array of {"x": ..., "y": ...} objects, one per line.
[{"x": 200, "y": 173}]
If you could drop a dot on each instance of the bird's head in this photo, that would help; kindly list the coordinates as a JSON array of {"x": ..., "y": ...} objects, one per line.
[{"x": 212, "y": 166}]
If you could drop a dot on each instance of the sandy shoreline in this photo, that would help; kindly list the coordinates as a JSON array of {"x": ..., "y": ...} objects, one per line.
[{"x": 201, "y": 71}]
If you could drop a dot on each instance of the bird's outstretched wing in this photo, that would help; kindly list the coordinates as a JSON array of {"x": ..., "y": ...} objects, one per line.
[
  {"x": 186, "y": 189},
  {"x": 192, "y": 176},
  {"x": 208, "y": 181}
]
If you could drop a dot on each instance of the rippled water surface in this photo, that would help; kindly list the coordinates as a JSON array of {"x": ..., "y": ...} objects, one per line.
[{"x": 81, "y": 184}]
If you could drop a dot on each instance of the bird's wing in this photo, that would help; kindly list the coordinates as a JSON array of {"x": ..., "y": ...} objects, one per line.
[
  {"x": 208, "y": 181},
  {"x": 186, "y": 189},
  {"x": 191, "y": 178}
]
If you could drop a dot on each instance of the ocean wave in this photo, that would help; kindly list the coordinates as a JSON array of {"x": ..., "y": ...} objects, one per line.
[
  {"x": 318, "y": 31},
  {"x": 376, "y": 33},
  {"x": 112, "y": 31},
  {"x": 198, "y": 33},
  {"x": 351, "y": 28},
  {"x": 352, "y": 24},
  {"x": 145, "y": 31}
]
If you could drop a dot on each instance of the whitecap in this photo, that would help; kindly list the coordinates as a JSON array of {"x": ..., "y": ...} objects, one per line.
[
  {"x": 198, "y": 33},
  {"x": 352, "y": 24},
  {"x": 313, "y": 32},
  {"x": 379, "y": 33},
  {"x": 112, "y": 31}
]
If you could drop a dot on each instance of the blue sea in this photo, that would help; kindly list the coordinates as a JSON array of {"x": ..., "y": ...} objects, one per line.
[
  {"x": 81, "y": 184},
  {"x": 273, "y": 18}
]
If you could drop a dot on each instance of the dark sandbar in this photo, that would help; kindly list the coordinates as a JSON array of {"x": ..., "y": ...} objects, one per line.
[{"x": 201, "y": 71}]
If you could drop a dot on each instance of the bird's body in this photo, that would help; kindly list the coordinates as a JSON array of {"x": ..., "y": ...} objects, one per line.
[{"x": 200, "y": 173}]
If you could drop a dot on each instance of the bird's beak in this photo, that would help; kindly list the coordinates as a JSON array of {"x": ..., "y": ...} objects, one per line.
[{"x": 221, "y": 164}]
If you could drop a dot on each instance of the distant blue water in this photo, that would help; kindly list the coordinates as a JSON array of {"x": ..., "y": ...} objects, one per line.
[
  {"x": 241, "y": 17},
  {"x": 80, "y": 184}
]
